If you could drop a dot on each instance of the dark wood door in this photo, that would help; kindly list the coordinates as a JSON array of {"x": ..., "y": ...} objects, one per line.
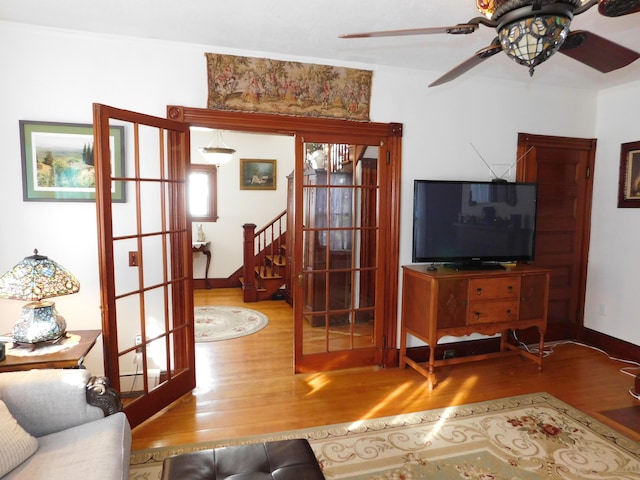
[
  {"x": 563, "y": 168},
  {"x": 145, "y": 259}
]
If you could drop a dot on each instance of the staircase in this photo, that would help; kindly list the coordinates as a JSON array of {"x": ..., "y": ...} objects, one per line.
[{"x": 265, "y": 269}]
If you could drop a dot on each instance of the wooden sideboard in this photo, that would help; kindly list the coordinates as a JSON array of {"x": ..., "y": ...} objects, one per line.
[{"x": 447, "y": 302}]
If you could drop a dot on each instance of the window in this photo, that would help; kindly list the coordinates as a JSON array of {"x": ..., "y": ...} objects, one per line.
[{"x": 203, "y": 193}]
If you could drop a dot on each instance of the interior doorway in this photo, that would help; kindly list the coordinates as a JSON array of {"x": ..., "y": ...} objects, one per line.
[{"x": 385, "y": 135}]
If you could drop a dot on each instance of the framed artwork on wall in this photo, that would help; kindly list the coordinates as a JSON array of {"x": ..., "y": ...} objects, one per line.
[
  {"x": 629, "y": 183},
  {"x": 57, "y": 162},
  {"x": 257, "y": 174}
]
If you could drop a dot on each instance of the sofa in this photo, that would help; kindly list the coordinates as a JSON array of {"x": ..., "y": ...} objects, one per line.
[{"x": 65, "y": 424}]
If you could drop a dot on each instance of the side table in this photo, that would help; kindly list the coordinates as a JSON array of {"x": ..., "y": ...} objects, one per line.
[
  {"x": 203, "y": 247},
  {"x": 71, "y": 357}
]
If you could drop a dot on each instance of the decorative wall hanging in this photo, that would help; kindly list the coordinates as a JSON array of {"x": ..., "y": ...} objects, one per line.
[
  {"x": 288, "y": 88},
  {"x": 57, "y": 161},
  {"x": 629, "y": 183},
  {"x": 257, "y": 174}
]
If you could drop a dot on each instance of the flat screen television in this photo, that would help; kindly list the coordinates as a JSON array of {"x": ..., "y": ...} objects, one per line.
[{"x": 473, "y": 225}]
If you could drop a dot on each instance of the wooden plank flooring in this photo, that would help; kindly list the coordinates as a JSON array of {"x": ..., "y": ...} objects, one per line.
[{"x": 246, "y": 386}]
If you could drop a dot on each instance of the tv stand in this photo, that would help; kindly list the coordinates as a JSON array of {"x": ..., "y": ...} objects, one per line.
[
  {"x": 456, "y": 303},
  {"x": 474, "y": 266}
]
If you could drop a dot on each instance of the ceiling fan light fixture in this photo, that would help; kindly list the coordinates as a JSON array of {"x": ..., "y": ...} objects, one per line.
[{"x": 531, "y": 40}]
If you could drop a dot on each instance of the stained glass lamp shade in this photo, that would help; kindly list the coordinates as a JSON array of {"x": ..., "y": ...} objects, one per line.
[
  {"x": 530, "y": 41},
  {"x": 36, "y": 278}
]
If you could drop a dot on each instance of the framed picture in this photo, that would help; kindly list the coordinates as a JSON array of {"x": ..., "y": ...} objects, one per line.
[
  {"x": 257, "y": 174},
  {"x": 629, "y": 187},
  {"x": 57, "y": 162}
]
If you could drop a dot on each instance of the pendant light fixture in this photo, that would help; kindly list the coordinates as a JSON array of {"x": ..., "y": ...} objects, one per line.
[{"x": 217, "y": 152}]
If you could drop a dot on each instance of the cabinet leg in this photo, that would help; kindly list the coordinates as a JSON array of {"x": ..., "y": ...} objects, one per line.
[{"x": 432, "y": 381}]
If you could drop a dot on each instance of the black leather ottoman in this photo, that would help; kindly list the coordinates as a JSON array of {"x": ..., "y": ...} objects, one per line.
[{"x": 278, "y": 460}]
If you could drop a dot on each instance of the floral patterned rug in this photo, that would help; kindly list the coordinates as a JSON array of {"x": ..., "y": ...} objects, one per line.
[
  {"x": 222, "y": 323},
  {"x": 529, "y": 437}
]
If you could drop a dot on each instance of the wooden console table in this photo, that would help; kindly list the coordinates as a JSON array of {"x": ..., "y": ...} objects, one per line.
[
  {"x": 71, "y": 357},
  {"x": 204, "y": 249},
  {"x": 443, "y": 302}
]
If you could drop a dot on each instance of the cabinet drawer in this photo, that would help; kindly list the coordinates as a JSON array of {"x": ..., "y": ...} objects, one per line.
[
  {"x": 492, "y": 312},
  {"x": 494, "y": 288}
]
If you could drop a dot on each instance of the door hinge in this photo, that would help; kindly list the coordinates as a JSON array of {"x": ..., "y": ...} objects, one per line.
[
  {"x": 588, "y": 171},
  {"x": 388, "y": 157}
]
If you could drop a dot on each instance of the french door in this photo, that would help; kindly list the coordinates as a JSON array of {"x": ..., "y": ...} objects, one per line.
[
  {"x": 339, "y": 274},
  {"x": 145, "y": 261}
]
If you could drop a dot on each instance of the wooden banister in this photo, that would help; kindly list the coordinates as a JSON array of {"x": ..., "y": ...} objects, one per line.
[
  {"x": 260, "y": 249},
  {"x": 249, "y": 284}
]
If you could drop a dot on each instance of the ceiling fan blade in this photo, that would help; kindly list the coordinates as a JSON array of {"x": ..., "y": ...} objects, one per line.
[
  {"x": 597, "y": 52},
  {"x": 617, "y": 8},
  {"x": 479, "y": 57},
  {"x": 461, "y": 28}
]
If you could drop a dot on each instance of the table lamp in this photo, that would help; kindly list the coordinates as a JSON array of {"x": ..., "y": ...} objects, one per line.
[{"x": 35, "y": 278}]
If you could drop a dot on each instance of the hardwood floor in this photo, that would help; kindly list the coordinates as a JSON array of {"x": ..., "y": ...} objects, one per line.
[{"x": 246, "y": 386}]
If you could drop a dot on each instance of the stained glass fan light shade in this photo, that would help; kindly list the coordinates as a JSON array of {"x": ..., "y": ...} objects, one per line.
[
  {"x": 530, "y": 41},
  {"x": 36, "y": 278}
]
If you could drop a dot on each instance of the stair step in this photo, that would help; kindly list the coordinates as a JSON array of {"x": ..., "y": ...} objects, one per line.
[
  {"x": 257, "y": 288},
  {"x": 278, "y": 260},
  {"x": 267, "y": 273}
]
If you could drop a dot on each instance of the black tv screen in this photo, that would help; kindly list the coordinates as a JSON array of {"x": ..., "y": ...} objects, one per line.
[{"x": 473, "y": 224}]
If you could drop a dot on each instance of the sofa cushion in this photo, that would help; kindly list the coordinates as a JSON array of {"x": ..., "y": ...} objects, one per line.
[
  {"x": 16, "y": 445},
  {"x": 97, "y": 450}
]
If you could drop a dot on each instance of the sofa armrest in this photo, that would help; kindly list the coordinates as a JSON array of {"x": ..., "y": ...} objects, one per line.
[
  {"x": 48, "y": 400},
  {"x": 100, "y": 394}
]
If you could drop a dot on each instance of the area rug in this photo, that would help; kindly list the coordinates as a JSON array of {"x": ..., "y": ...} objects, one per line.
[
  {"x": 222, "y": 323},
  {"x": 529, "y": 437}
]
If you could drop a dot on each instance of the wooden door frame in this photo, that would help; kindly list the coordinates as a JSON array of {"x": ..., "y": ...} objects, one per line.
[{"x": 298, "y": 126}]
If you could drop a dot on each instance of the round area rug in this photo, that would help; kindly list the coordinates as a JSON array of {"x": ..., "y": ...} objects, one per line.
[{"x": 222, "y": 323}]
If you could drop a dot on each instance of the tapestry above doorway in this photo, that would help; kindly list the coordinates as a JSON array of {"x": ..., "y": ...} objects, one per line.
[{"x": 288, "y": 88}]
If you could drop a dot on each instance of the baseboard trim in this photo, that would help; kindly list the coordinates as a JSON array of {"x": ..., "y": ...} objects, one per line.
[{"x": 614, "y": 347}]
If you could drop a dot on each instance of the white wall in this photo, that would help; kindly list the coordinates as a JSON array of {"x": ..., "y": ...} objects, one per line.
[
  {"x": 51, "y": 75},
  {"x": 611, "y": 305}
]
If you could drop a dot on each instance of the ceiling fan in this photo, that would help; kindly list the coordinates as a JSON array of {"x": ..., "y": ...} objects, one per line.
[{"x": 530, "y": 31}]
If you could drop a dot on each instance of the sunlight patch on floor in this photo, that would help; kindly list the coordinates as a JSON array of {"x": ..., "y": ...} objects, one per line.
[{"x": 317, "y": 382}]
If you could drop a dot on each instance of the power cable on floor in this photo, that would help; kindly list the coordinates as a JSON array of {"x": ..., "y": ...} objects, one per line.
[{"x": 548, "y": 350}]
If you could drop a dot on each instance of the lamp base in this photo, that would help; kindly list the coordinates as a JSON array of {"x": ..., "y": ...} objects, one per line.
[{"x": 38, "y": 323}]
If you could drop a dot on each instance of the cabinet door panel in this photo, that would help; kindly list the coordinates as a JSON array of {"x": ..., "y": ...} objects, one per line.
[
  {"x": 534, "y": 288},
  {"x": 452, "y": 303}
]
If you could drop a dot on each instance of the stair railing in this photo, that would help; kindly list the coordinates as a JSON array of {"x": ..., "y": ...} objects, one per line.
[{"x": 268, "y": 241}]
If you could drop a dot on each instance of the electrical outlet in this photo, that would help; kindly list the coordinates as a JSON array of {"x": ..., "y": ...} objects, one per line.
[{"x": 449, "y": 354}]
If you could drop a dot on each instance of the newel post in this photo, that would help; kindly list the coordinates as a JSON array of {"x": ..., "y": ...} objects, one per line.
[{"x": 248, "y": 268}]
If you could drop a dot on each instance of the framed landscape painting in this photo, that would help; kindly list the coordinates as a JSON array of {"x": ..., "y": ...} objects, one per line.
[
  {"x": 257, "y": 174},
  {"x": 57, "y": 162}
]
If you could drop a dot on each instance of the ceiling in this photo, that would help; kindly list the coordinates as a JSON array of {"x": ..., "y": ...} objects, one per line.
[{"x": 310, "y": 28}]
